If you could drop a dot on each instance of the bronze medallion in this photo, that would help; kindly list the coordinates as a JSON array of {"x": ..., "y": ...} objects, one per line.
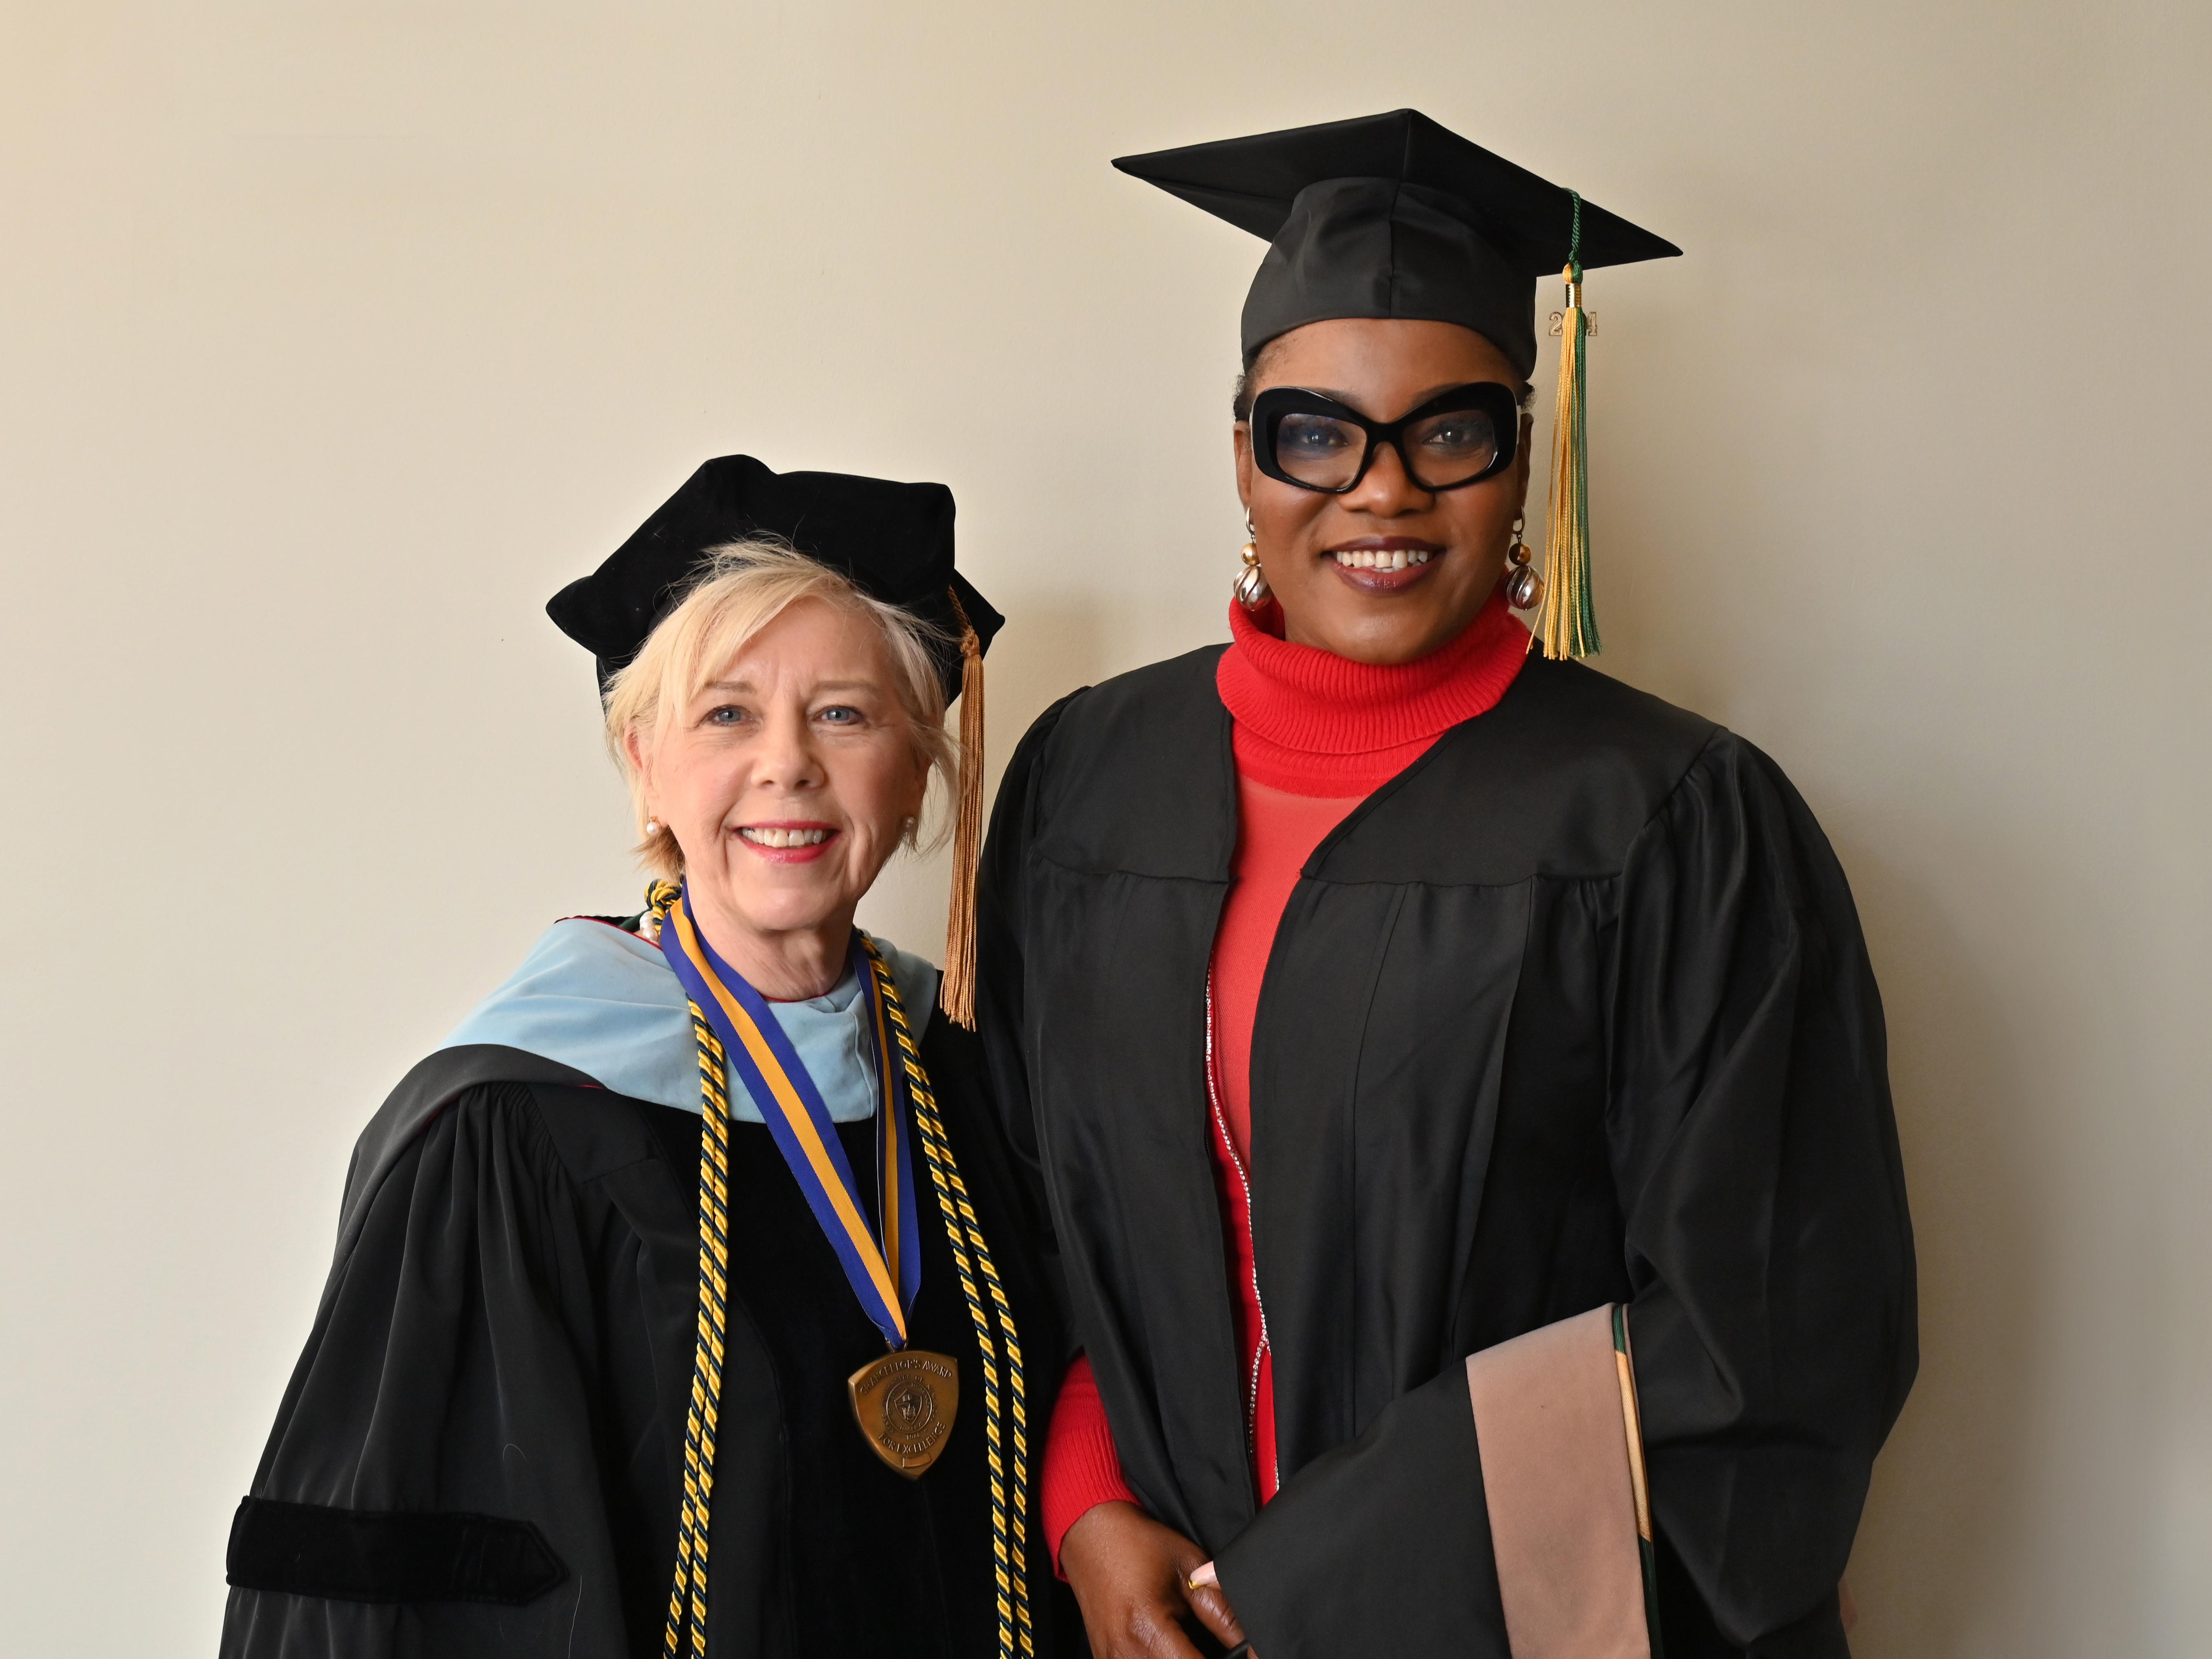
[{"x": 905, "y": 1403}]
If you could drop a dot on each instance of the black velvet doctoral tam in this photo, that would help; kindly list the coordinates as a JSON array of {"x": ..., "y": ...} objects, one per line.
[{"x": 894, "y": 540}]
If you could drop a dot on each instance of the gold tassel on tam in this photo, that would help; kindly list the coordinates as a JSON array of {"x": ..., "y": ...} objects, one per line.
[
  {"x": 956, "y": 996},
  {"x": 1567, "y": 623}
]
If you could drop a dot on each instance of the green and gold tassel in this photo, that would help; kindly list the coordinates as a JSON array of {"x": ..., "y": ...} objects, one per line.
[{"x": 1567, "y": 623}]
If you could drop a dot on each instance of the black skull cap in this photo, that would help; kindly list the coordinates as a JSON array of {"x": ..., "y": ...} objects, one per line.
[
  {"x": 1392, "y": 216},
  {"x": 893, "y": 540}
]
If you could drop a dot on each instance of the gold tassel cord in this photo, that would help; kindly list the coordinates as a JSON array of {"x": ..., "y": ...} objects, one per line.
[
  {"x": 957, "y": 996},
  {"x": 1567, "y": 623}
]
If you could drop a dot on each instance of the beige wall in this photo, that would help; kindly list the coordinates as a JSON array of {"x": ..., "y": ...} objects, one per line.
[{"x": 333, "y": 339}]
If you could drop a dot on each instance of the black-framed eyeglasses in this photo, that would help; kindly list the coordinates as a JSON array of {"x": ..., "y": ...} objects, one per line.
[{"x": 1457, "y": 438}]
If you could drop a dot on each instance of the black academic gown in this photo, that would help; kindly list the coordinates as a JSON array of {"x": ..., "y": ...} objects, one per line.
[
  {"x": 481, "y": 1451},
  {"x": 1574, "y": 1010}
]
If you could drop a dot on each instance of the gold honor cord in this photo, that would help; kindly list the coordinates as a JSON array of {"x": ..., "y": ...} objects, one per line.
[
  {"x": 1009, "y": 1514},
  {"x": 687, "y": 1601},
  {"x": 687, "y": 1597}
]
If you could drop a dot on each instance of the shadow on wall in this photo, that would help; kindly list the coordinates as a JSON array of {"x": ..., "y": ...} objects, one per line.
[
  {"x": 1048, "y": 647},
  {"x": 1945, "y": 1511}
]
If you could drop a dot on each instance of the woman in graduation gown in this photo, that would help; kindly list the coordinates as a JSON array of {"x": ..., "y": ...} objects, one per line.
[
  {"x": 1457, "y": 1078},
  {"x": 683, "y": 1300}
]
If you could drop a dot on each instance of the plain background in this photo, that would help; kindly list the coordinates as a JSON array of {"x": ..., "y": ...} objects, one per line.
[{"x": 334, "y": 338}]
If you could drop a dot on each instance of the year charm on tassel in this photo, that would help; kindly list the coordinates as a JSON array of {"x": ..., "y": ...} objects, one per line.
[
  {"x": 1589, "y": 321},
  {"x": 1567, "y": 623}
]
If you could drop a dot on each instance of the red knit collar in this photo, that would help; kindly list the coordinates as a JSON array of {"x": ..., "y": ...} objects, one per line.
[{"x": 1314, "y": 723}]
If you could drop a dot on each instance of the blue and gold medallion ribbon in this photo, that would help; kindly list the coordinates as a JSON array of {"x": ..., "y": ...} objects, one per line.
[
  {"x": 906, "y": 1402},
  {"x": 884, "y": 1272}
]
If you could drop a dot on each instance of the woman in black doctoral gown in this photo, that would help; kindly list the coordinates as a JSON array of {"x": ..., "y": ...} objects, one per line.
[
  {"x": 602, "y": 1369},
  {"x": 1554, "y": 1004}
]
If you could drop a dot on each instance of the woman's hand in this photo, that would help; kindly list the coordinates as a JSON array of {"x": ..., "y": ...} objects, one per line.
[{"x": 1131, "y": 1577}]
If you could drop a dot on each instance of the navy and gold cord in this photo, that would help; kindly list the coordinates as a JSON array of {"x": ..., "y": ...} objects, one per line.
[
  {"x": 687, "y": 1597},
  {"x": 971, "y": 1255},
  {"x": 1003, "y": 1420}
]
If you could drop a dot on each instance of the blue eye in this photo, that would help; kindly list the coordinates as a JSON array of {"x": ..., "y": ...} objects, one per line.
[
  {"x": 839, "y": 714},
  {"x": 726, "y": 714}
]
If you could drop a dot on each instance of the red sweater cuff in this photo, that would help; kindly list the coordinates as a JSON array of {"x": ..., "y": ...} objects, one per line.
[{"x": 1081, "y": 1468}]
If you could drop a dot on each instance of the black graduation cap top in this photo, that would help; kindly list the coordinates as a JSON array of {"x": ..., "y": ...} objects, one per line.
[
  {"x": 894, "y": 540},
  {"x": 1392, "y": 216}
]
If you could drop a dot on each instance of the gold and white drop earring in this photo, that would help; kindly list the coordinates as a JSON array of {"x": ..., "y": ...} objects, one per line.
[{"x": 1251, "y": 587}]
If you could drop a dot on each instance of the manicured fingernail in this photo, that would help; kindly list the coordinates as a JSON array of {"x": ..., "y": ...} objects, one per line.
[{"x": 1205, "y": 1576}]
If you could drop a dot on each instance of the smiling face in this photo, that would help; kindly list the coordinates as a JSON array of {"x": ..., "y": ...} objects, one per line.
[
  {"x": 788, "y": 782},
  {"x": 1387, "y": 572}
]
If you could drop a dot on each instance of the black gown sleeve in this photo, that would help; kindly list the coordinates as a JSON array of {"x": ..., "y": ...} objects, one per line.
[
  {"x": 433, "y": 1486},
  {"x": 1380, "y": 1548},
  {"x": 1756, "y": 1164},
  {"x": 1756, "y": 1156},
  {"x": 1001, "y": 939}
]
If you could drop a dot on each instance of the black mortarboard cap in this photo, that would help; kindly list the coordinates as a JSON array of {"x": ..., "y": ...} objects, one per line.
[
  {"x": 1392, "y": 216},
  {"x": 894, "y": 540}
]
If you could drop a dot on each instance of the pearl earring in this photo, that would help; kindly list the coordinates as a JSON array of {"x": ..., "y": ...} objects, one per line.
[
  {"x": 652, "y": 828},
  {"x": 1251, "y": 587}
]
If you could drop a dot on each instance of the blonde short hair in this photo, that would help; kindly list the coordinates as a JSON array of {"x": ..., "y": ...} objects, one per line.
[{"x": 746, "y": 586}]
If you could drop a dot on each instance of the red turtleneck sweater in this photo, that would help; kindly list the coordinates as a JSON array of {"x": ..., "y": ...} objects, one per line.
[{"x": 1314, "y": 735}]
